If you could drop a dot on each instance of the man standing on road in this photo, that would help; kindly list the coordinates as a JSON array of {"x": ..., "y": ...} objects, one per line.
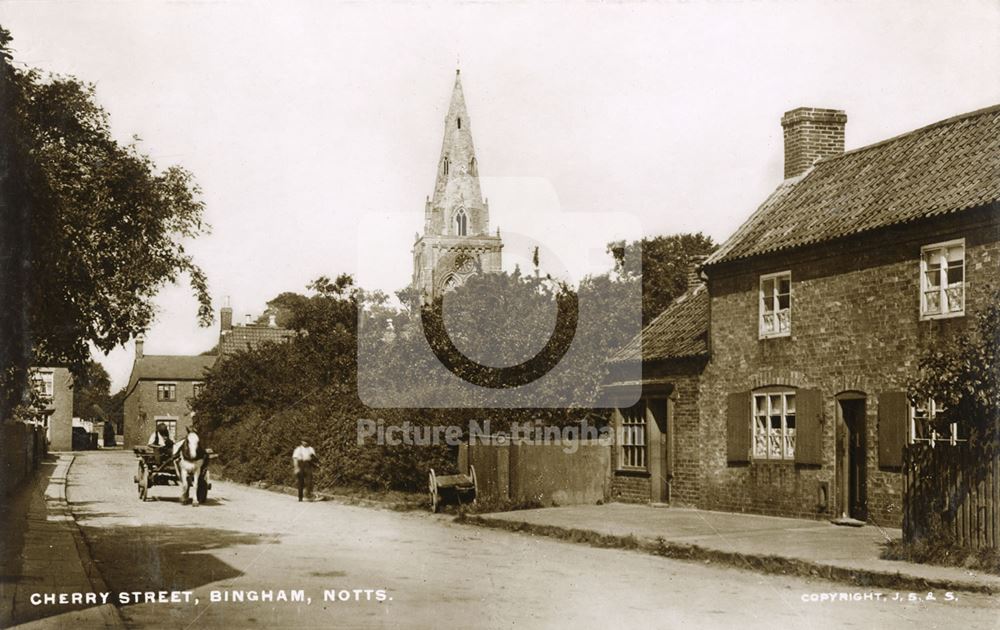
[{"x": 304, "y": 458}]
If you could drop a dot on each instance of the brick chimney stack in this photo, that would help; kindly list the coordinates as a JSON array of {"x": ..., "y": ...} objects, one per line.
[
  {"x": 226, "y": 317},
  {"x": 694, "y": 270},
  {"x": 140, "y": 341},
  {"x": 811, "y": 134}
]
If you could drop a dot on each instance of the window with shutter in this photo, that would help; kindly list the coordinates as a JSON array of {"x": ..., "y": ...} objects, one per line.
[
  {"x": 738, "y": 428},
  {"x": 774, "y": 423},
  {"x": 893, "y": 417},
  {"x": 809, "y": 431}
]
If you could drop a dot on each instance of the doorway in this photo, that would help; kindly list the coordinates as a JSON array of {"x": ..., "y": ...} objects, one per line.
[
  {"x": 852, "y": 451},
  {"x": 660, "y": 464}
]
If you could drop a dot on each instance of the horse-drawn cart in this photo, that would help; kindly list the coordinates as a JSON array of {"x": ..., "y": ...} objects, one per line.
[
  {"x": 156, "y": 470},
  {"x": 464, "y": 488}
]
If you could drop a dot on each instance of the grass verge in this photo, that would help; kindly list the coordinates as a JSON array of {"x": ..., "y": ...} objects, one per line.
[
  {"x": 774, "y": 565},
  {"x": 943, "y": 552}
]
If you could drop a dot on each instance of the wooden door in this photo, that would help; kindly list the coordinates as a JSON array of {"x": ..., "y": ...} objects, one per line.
[{"x": 852, "y": 456}]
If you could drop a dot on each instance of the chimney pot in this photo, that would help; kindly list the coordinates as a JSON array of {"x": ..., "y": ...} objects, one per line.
[
  {"x": 140, "y": 342},
  {"x": 247, "y": 320},
  {"x": 811, "y": 134},
  {"x": 272, "y": 320}
]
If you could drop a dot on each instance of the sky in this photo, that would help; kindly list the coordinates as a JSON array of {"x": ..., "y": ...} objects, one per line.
[{"x": 314, "y": 128}]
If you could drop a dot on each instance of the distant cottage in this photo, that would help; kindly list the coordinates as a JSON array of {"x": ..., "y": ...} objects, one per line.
[
  {"x": 161, "y": 387},
  {"x": 238, "y": 338},
  {"x": 777, "y": 386}
]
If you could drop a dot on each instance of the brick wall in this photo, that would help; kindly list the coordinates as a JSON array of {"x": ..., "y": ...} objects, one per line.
[
  {"x": 811, "y": 134},
  {"x": 630, "y": 487},
  {"x": 22, "y": 449},
  {"x": 141, "y": 409},
  {"x": 685, "y": 486},
  {"x": 855, "y": 328},
  {"x": 678, "y": 380}
]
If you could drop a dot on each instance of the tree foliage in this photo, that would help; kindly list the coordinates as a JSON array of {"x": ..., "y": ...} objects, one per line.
[
  {"x": 92, "y": 392},
  {"x": 256, "y": 405},
  {"x": 90, "y": 228},
  {"x": 662, "y": 266},
  {"x": 964, "y": 377}
]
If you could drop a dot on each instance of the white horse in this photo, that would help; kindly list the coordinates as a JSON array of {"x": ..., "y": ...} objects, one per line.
[{"x": 190, "y": 459}]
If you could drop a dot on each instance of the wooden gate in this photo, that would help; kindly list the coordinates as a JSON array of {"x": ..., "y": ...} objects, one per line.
[{"x": 954, "y": 489}]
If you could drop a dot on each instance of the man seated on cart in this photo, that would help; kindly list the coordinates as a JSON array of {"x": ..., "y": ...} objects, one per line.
[{"x": 160, "y": 439}]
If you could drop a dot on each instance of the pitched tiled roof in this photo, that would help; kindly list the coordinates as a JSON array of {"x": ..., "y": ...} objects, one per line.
[
  {"x": 678, "y": 332},
  {"x": 946, "y": 167},
  {"x": 241, "y": 338}
]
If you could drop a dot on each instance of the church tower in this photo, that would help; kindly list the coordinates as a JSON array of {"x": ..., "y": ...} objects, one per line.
[{"x": 456, "y": 242}]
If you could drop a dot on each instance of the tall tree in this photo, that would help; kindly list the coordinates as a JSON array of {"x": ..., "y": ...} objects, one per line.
[
  {"x": 90, "y": 229},
  {"x": 92, "y": 392},
  {"x": 663, "y": 265}
]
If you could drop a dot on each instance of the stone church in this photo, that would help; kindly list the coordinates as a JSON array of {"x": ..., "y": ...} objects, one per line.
[{"x": 456, "y": 242}]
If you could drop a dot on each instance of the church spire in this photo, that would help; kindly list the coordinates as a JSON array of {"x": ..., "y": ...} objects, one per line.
[
  {"x": 456, "y": 189},
  {"x": 456, "y": 243}
]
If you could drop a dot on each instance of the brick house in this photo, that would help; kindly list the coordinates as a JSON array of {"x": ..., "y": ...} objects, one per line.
[
  {"x": 161, "y": 387},
  {"x": 159, "y": 390},
  {"x": 821, "y": 304},
  {"x": 55, "y": 389},
  {"x": 650, "y": 462}
]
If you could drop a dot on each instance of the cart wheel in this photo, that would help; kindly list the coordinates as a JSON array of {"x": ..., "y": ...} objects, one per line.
[
  {"x": 202, "y": 491},
  {"x": 435, "y": 499},
  {"x": 475, "y": 483}
]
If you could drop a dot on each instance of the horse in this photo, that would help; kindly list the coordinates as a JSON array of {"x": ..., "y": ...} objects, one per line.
[{"x": 190, "y": 460}]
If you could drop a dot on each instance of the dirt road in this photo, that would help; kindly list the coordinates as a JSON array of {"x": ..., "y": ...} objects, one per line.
[{"x": 427, "y": 571}]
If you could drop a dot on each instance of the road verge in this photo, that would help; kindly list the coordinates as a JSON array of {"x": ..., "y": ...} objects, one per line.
[{"x": 760, "y": 563}]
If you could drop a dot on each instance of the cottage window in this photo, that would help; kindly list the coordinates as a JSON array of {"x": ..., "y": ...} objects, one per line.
[
  {"x": 632, "y": 445},
  {"x": 44, "y": 384},
  {"x": 166, "y": 392},
  {"x": 922, "y": 429},
  {"x": 942, "y": 280},
  {"x": 774, "y": 425},
  {"x": 776, "y": 304},
  {"x": 197, "y": 388}
]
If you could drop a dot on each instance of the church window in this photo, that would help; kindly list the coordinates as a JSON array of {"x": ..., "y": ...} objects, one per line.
[
  {"x": 445, "y": 166},
  {"x": 459, "y": 123},
  {"x": 461, "y": 223},
  {"x": 472, "y": 166}
]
